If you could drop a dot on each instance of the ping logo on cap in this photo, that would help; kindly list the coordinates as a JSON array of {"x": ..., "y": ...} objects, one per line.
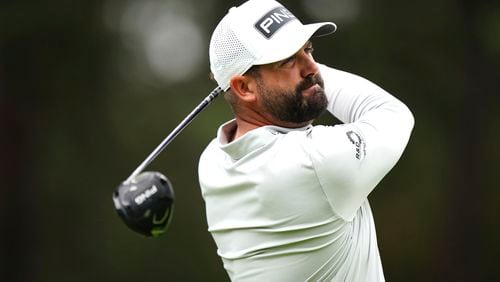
[{"x": 273, "y": 21}]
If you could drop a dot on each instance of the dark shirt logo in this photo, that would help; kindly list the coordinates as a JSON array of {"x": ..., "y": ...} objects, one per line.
[
  {"x": 273, "y": 21},
  {"x": 358, "y": 143}
]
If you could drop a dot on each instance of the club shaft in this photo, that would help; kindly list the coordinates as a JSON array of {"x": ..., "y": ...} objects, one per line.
[{"x": 185, "y": 122}]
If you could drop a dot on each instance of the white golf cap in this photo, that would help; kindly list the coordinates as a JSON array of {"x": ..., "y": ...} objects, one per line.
[{"x": 257, "y": 32}]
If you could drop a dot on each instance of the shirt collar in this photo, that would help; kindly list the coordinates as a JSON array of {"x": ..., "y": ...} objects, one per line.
[{"x": 252, "y": 140}]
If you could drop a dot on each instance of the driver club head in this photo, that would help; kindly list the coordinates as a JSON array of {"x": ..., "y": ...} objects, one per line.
[{"x": 145, "y": 203}]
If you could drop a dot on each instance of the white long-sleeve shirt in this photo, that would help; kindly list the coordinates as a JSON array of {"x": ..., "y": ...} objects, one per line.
[{"x": 291, "y": 204}]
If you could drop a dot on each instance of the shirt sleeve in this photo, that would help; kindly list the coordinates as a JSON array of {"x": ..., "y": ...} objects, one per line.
[{"x": 352, "y": 158}]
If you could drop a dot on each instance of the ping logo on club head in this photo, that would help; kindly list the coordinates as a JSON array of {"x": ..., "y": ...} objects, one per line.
[
  {"x": 145, "y": 195},
  {"x": 275, "y": 19}
]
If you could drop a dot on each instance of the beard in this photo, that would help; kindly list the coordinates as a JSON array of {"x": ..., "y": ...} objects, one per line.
[{"x": 291, "y": 105}]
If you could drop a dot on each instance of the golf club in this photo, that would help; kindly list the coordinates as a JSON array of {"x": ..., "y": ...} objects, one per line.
[{"x": 145, "y": 200}]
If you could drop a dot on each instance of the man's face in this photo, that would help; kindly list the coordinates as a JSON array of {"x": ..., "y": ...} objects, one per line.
[{"x": 292, "y": 90}]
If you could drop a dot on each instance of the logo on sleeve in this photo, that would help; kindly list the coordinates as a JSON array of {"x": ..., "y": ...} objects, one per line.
[
  {"x": 358, "y": 143},
  {"x": 275, "y": 19}
]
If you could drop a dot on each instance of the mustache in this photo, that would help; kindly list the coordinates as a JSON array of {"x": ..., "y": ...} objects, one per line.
[{"x": 310, "y": 81}]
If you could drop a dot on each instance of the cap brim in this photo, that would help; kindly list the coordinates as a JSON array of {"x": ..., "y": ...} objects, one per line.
[
  {"x": 288, "y": 43},
  {"x": 324, "y": 28}
]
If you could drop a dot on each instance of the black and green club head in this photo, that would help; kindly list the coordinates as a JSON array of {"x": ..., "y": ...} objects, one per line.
[{"x": 145, "y": 203}]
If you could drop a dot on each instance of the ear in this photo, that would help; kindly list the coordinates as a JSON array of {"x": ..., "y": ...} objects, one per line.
[{"x": 243, "y": 87}]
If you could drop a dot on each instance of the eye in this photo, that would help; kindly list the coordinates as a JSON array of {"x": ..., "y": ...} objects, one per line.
[
  {"x": 287, "y": 61},
  {"x": 309, "y": 48}
]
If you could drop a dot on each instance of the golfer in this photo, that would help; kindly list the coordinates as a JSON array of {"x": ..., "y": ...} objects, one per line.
[{"x": 287, "y": 200}]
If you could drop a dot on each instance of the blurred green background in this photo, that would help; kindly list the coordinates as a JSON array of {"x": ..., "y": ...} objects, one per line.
[{"x": 89, "y": 88}]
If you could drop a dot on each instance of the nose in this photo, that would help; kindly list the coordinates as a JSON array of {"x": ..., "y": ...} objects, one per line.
[{"x": 308, "y": 64}]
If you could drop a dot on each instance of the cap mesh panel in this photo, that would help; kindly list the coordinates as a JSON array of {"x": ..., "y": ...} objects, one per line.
[{"x": 228, "y": 56}]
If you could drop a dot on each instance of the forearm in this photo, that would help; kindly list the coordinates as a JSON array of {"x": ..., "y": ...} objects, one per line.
[{"x": 353, "y": 99}]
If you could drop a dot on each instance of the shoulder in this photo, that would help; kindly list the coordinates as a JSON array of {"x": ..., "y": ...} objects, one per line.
[{"x": 210, "y": 150}]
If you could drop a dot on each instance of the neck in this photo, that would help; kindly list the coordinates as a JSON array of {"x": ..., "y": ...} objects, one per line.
[{"x": 243, "y": 126}]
